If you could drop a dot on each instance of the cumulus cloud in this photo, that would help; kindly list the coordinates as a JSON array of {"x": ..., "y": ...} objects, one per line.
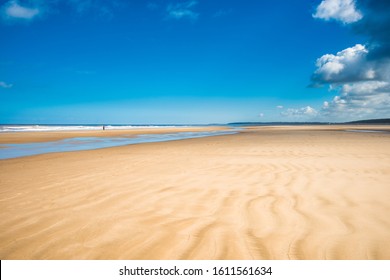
[
  {"x": 299, "y": 113},
  {"x": 363, "y": 87},
  {"x": 359, "y": 100},
  {"x": 360, "y": 75},
  {"x": 348, "y": 65},
  {"x": 5, "y": 85},
  {"x": 13, "y": 10},
  {"x": 279, "y": 107},
  {"x": 183, "y": 10},
  {"x": 341, "y": 10}
]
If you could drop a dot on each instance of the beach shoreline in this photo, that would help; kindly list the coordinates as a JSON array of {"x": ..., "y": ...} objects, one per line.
[
  {"x": 46, "y": 136},
  {"x": 294, "y": 192}
]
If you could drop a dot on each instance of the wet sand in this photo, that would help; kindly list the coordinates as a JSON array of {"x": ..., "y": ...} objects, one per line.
[
  {"x": 266, "y": 193},
  {"x": 46, "y": 136}
]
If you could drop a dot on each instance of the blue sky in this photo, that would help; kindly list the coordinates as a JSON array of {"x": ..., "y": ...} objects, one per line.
[{"x": 196, "y": 61}]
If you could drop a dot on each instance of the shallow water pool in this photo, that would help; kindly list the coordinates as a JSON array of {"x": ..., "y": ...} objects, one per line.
[{"x": 91, "y": 143}]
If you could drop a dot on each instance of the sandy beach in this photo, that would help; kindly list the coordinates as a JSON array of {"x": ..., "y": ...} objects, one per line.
[{"x": 303, "y": 192}]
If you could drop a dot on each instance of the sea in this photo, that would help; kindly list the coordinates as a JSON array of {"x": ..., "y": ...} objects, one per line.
[
  {"x": 8, "y": 151},
  {"x": 64, "y": 127}
]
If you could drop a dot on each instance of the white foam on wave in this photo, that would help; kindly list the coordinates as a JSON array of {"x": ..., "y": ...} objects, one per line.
[
  {"x": 32, "y": 128},
  {"x": 37, "y": 128},
  {"x": 113, "y": 127}
]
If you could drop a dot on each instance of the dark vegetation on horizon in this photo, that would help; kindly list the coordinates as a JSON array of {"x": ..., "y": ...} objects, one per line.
[
  {"x": 375, "y": 121},
  {"x": 372, "y": 121},
  {"x": 360, "y": 122}
]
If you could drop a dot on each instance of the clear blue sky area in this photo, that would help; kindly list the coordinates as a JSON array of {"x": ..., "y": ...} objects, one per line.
[{"x": 167, "y": 62}]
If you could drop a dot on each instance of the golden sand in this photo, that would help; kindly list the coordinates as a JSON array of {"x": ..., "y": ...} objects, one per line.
[{"x": 265, "y": 193}]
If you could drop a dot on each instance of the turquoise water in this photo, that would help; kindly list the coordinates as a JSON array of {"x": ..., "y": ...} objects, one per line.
[
  {"x": 91, "y": 143},
  {"x": 35, "y": 128}
]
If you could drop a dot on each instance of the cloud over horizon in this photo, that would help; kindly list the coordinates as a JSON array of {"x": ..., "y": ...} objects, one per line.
[
  {"x": 304, "y": 112},
  {"x": 359, "y": 100}
]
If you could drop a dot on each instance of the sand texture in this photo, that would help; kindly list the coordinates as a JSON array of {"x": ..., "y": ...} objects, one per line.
[{"x": 266, "y": 193}]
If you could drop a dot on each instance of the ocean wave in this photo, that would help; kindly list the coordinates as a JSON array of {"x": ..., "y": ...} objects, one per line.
[{"x": 37, "y": 128}]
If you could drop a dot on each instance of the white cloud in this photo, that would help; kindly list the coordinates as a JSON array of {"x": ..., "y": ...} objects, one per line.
[
  {"x": 13, "y": 10},
  {"x": 301, "y": 112},
  {"x": 325, "y": 105},
  {"x": 5, "y": 85},
  {"x": 341, "y": 10},
  {"x": 347, "y": 65},
  {"x": 182, "y": 10},
  {"x": 261, "y": 115},
  {"x": 366, "y": 99},
  {"x": 279, "y": 107}
]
